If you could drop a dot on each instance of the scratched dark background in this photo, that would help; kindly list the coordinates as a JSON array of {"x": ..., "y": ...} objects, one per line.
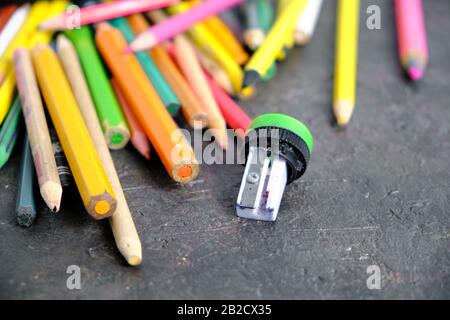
[{"x": 377, "y": 193}]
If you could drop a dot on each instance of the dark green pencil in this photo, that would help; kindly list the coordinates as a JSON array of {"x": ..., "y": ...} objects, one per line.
[
  {"x": 25, "y": 205},
  {"x": 9, "y": 131},
  {"x": 168, "y": 97}
]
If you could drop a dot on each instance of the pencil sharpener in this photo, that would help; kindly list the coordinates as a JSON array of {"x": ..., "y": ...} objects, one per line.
[{"x": 277, "y": 149}]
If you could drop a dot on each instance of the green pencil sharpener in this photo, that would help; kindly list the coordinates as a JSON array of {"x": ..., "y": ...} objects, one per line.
[{"x": 278, "y": 148}]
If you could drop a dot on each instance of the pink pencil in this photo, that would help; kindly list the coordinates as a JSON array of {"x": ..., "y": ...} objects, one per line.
[
  {"x": 102, "y": 12},
  {"x": 412, "y": 38},
  {"x": 179, "y": 23},
  {"x": 234, "y": 116}
]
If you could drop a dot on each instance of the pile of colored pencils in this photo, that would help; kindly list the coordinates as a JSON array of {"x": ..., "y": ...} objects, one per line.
[{"x": 119, "y": 71}]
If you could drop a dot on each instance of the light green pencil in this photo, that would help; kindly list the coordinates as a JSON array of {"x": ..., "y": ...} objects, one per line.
[
  {"x": 9, "y": 131},
  {"x": 109, "y": 113},
  {"x": 164, "y": 91}
]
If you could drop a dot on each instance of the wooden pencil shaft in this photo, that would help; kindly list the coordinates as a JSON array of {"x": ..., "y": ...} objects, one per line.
[
  {"x": 108, "y": 110},
  {"x": 89, "y": 175},
  {"x": 37, "y": 129},
  {"x": 122, "y": 224},
  {"x": 25, "y": 204}
]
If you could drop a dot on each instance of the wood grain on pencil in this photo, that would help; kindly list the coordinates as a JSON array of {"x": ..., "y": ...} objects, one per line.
[
  {"x": 41, "y": 145},
  {"x": 124, "y": 230}
]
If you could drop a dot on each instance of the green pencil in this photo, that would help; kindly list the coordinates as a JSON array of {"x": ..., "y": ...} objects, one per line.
[
  {"x": 9, "y": 131},
  {"x": 25, "y": 205},
  {"x": 164, "y": 91},
  {"x": 110, "y": 115},
  {"x": 266, "y": 17}
]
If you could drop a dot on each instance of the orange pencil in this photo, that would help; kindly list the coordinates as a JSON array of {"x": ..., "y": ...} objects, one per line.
[
  {"x": 190, "y": 105},
  {"x": 138, "y": 137},
  {"x": 167, "y": 139}
]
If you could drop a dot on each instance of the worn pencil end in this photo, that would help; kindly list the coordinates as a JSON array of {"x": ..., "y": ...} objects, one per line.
[
  {"x": 343, "y": 111},
  {"x": 131, "y": 250},
  {"x": 26, "y": 216}
]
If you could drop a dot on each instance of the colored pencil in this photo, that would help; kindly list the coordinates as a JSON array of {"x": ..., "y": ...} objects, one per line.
[
  {"x": 266, "y": 17},
  {"x": 6, "y": 13},
  {"x": 8, "y": 86},
  {"x": 307, "y": 22},
  {"x": 190, "y": 106},
  {"x": 221, "y": 31},
  {"x": 166, "y": 94},
  {"x": 231, "y": 18},
  {"x": 138, "y": 137},
  {"x": 104, "y": 11},
  {"x": 36, "y": 124},
  {"x": 90, "y": 177},
  {"x": 65, "y": 175},
  {"x": 412, "y": 37},
  {"x": 289, "y": 37},
  {"x": 9, "y": 131},
  {"x": 37, "y": 12},
  {"x": 346, "y": 60},
  {"x": 125, "y": 234},
  {"x": 253, "y": 33},
  {"x": 12, "y": 25},
  {"x": 173, "y": 150},
  {"x": 265, "y": 56},
  {"x": 189, "y": 64},
  {"x": 7, "y": 89},
  {"x": 25, "y": 204},
  {"x": 235, "y": 117},
  {"x": 215, "y": 70},
  {"x": 109, "y": 113},
  {"x": 206, "y": 41},
  {"x": 179, "y": 23}
]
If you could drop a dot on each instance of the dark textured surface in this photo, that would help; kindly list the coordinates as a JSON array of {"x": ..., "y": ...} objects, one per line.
[{"x": 376, "y": 193}]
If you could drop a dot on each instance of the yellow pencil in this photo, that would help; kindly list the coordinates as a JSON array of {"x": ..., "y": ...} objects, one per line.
[
  {"x": 290, "y": 38},
  {"x": 346, "y": 60},
  {"x": 206, "y": 41},
  {"x": 37, "y": 13},
  {"x": 265, "y": 56},
  {"x": 90, "y": 177},
  {"x": 122, "y": 225},
  {"x": 6, "y": 94},
  {"x": 30, "y": 41}
]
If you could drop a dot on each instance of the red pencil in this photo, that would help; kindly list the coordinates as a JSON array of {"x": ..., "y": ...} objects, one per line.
[
  {"x": 234, "y": 116},
  {"x": 6, "y": 13},
  {"x": 138, "y": 137}
]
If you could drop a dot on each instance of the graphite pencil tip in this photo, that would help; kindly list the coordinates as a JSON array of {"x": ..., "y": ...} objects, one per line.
[
  {"x": 251, "y": 77},
  {"x": 343, "y": 111}
]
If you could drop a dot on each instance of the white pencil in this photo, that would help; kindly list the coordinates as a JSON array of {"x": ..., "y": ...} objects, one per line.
[
  {"x": 307, "y": 22},
  {"x": 13, "y": 26}
]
